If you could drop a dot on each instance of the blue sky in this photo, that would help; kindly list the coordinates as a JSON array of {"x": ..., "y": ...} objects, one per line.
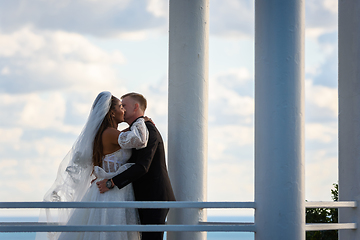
[{"x": 56, "y": 56}]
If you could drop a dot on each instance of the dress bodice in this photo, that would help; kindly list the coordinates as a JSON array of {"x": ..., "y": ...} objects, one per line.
[{"x": 111, "y": 162}]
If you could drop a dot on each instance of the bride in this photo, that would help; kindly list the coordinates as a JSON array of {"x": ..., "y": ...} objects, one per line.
[{"x": 100, "y": 152}]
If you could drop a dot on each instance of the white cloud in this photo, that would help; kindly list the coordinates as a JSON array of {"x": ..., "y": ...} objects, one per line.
[
  {"x": 100, "y": 18},
  {"x": 37, "y": 61},
  {"x": 25, "y": 112},
  {"x": 224, "y": 140},
  {"x": 230, "y": 97},
  {"x": 331, "y": 5},
  {"x": 21, "y": 43},
  {"x": 135, "y": 36},
  {"x": 232, "y": 18},
  {"x": 33, "y": 167},
  {"x": 315, "y": 32},
  {"x": 221, "y": 174},
  {"x": 321, "y": 132},
  {"x": 321, "y": 16},
  {"x": 321, "y": 171},
  {"x": 231, "y": 182},
  {"x": 10, "y": 135},
  {"x": 5, "y": 71},
  {"x": 234, "y": 77},
  {"x": 321, "y": 101},
  {"x": 43, "y": 112},
  {"x": 45, "y": 149},
  {"x": 160, "y": 8},
  {"x": 325, "y": 70},
  {"x": 8, "y": 164}
]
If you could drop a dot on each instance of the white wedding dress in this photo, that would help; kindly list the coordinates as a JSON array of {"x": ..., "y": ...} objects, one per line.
[
  {"x": 113, "y": 164},
  {"x": 72, "y": 183}
]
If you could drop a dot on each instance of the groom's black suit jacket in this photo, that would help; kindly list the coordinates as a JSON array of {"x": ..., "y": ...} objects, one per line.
[{"x": 149, "y": 174}]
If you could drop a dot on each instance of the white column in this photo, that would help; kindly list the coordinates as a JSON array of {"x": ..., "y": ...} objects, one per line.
[
  {"x": 349, "y": 114},
  {"x": 188, "y": 110},
  {"x": 279, "y": 119}
]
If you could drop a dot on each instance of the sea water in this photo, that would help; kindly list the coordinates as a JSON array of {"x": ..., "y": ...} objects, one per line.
[
  {"x": 230, "y": 235},
  {"x": 210, "y": 235}
]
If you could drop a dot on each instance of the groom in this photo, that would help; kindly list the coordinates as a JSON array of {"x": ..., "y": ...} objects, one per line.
[{"x": 148, "y": 175}]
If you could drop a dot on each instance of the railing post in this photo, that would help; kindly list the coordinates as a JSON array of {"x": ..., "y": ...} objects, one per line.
[
  {"x": 349, "y": 114},
  {"x": 279, "y": 119},
  {"x": 187, "y": 109}
]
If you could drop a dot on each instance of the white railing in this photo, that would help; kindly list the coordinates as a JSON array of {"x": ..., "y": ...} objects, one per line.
[
  {"x": 200, "y": 227},
  {"x": 330, "y": 226}
]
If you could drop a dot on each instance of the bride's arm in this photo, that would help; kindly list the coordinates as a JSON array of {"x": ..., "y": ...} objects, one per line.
[{"x": 137, "y": 137}]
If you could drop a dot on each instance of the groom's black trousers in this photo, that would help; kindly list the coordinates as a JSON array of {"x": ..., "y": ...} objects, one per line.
[{"x": 152, "y": 216}]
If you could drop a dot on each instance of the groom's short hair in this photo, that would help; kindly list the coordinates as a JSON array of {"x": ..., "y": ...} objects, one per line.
[{"x": 138, "y": 98}]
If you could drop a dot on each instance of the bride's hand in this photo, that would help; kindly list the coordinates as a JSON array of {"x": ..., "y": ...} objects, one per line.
[{"x": 146, "y": 118}]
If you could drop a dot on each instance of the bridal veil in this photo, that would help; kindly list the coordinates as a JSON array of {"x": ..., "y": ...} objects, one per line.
[{"x": 75, "y": 171}]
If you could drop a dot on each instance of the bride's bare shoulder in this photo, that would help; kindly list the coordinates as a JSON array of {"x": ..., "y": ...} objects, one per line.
[{"x": 110, "y": 133}]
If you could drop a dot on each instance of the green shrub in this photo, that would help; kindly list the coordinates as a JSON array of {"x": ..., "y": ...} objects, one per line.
[{"x": 323, "y": 215}]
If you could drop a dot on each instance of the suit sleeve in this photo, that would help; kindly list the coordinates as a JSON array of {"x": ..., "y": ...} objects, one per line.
[{"x": 142, "y": 162}]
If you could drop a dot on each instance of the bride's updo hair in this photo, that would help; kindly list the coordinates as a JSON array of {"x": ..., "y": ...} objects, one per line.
[{"x": 98, "y": 146}]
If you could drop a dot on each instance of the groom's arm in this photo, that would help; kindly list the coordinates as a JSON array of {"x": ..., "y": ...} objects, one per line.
[{"x": 142, "y": 162}]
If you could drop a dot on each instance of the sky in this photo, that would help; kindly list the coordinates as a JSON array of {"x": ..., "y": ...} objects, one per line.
[{"x": 56, "y": 56}]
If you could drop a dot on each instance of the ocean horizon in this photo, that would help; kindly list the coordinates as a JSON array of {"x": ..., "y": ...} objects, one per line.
[{"x": 210, "y": 235}]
